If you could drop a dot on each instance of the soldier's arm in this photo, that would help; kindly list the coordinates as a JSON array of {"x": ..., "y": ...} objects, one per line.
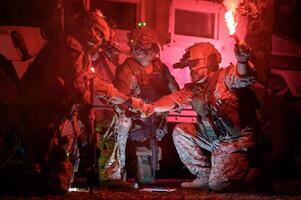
[
  {"x": 243, "y": 74},
  {"x": 73, "y": 58},
  {"x": 173, "y": 101},
  {"x": 108, "y": 92},
  {"x": 242, "y": 53},
  {"x": 167, "y": 103},
  {"x": 125, "y": 81}
]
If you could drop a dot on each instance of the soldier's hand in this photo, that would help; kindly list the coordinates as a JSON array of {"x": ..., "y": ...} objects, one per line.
[
  {"x": 138, "y": 105},
  {"x": 148, "y": 109},
  {"x": 242, "y": 52}
]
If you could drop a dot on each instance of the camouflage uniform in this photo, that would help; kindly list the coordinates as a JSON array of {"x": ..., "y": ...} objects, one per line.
[
  {"x": 58, "y": 78},
  {"x": 132, "y": 80},
  {"x": 225, "y": 128},
  {"x": 51, "y": 85}
]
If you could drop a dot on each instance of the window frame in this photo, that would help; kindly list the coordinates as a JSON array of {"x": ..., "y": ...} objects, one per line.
[{"x": 194, "y": 6}]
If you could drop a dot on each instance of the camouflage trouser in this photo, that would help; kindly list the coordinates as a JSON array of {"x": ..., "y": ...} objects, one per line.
[
  {"x": 116, "y": 161},
  {"x": 228, "y": 165}
]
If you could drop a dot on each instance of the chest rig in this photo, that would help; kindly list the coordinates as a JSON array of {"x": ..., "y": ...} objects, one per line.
[
  {"x": 217, "y": 107},
  {"x": 153, "y": 85}
]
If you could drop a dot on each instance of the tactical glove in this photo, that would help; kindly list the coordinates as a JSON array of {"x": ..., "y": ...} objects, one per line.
[{"x": 242, "y": 52}]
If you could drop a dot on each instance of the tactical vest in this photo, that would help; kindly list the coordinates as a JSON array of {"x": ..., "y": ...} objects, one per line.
[
  {"x": 221, "y": 112},
  {"x": 153, "y": 85}
]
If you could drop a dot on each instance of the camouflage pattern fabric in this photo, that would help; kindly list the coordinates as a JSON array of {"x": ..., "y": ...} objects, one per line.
[
  {"x": 116, "y": 160},
  {"x": 132, "y": 80},
  {"x": 215, "y": 150},
  {"x": 228, "y": 166},
  {"x": 106, "y": 146},
  {"x": 56, "y": 80}
]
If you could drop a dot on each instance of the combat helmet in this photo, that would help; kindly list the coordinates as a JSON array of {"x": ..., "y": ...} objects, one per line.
[
  {"x": 203, "y": 51},
  {"x": 143, "y": 39}
]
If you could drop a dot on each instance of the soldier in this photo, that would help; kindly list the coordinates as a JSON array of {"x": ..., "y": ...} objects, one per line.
[
  {"x": 144, "y": 76},
  {"x": 216, "y": 149},
  {"x": 59, "y": 78}
]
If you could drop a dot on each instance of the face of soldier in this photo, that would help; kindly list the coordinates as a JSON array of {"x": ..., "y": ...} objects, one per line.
[
  {"x": 199, "y": 71},
  {"x": 202, "y": 59},
  {"x": 144, "y": 56}
]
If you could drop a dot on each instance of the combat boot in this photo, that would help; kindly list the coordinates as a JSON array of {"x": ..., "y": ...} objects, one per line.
[{"x": 196, "y": 183}]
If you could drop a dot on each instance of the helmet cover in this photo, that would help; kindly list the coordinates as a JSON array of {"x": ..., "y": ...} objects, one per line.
[
  {"x": 207, "y": 52},
  {"x": 202, "y": 51},
  {"x": 143, "y": 38}
]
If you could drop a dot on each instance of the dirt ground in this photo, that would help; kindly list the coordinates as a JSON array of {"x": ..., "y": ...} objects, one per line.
[{"x": 279, "y": 191}]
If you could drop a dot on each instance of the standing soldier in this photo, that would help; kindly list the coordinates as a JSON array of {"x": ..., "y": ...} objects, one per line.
[
  {"x": 144, "y": 76},
  {"x": 58, "y": 79}
]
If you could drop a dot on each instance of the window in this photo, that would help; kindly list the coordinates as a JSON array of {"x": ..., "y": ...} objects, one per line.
[{"x": 190, "y": 23}]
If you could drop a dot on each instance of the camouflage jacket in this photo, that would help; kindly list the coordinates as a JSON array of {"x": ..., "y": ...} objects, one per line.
[
  {"x": 224, "y": 102},
  {"x": 55, "y": 80},
  {"x": 131, "y": 79}
]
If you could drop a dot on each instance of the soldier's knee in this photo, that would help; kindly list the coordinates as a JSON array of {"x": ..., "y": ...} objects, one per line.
[
  {"x": 184, "y": 129},
  {"x": 178, "y": 131}
]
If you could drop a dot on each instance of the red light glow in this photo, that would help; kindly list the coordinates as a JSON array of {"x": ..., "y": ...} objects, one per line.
[{"x": 92, "y": 69}]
